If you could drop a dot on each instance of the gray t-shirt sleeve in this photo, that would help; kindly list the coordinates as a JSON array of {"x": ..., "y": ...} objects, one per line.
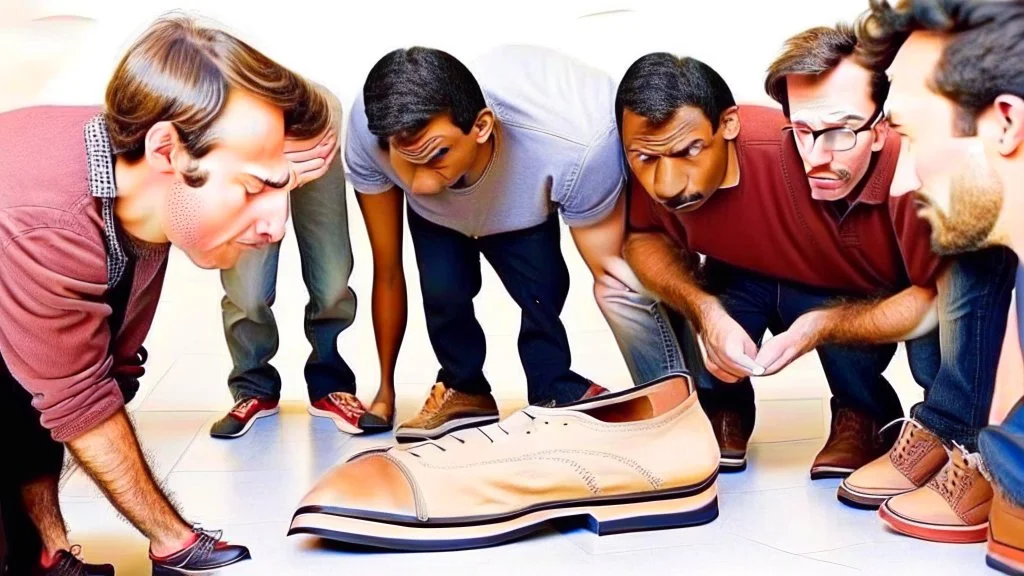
[
  {"x": 362, "y": 155},
  {"x": 590, "y": 197}
]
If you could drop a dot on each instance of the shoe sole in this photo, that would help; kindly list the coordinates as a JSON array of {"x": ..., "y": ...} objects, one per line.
[
  {"x": 248, "y": 425},
  {"x": 860, "y": 500},
  {"x": 677, "y": 508},
  {"x": 826, "y": 472},
  {"x": 732, "y": 465},
  {"x": 169, "y": 571},
  {"x": 406, "y": 435},
  {"x": 1006, "y": 559},
  {"x": 933, "y": 532},
  {"x": 340, "y": 422}
]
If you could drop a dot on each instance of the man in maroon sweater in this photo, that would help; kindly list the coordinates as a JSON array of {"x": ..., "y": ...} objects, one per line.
[
  {"x": 801, "y": 237},
  {"x": 200, "y": 142}
]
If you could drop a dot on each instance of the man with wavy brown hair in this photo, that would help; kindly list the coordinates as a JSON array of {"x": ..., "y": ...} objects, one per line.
[{"x": 194, "y": 147}]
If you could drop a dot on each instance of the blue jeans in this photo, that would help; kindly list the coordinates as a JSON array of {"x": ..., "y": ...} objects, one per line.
[
  {"x": 1002, "y": 448},
  {"x": 320, "y": 219},
  {"x": 530, "y": 265},
  {"x": 955, "y": 364}
]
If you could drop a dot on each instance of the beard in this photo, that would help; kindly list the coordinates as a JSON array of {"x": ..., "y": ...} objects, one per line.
[{"x": 975, "y": 202}]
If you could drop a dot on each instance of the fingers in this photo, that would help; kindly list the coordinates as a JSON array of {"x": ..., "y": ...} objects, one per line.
[
  {"x": 735, "y": 356},
  {"x": 717, "y": 372},
  {"x": 316, "y": 147},
  {"x": 727, "y": 365}
]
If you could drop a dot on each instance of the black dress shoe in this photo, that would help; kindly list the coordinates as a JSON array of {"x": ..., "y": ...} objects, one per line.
[
  {"x": 370, "y": 423},
  {"x": 206, "y": 554}
]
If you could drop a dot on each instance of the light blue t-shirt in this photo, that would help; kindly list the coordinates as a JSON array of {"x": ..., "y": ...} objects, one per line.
[{"x": 556, "y": 147}]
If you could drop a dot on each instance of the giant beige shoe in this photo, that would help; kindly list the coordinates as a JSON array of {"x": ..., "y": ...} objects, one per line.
[{"x": 641, "y": 459}]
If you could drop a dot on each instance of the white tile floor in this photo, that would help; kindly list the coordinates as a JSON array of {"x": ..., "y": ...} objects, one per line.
[{"x": 773, "y": 519}]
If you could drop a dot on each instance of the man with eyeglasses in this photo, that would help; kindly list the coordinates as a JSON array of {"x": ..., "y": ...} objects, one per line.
[{"x": 823, "y": 258}]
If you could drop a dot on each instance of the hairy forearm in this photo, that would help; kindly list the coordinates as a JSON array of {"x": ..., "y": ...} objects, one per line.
[
  {"x": 905, "y": 315},
  {"x": 663, "y": 270},
  {"x": 110, "y": 454},
  {"x": 390, "y": 314}
]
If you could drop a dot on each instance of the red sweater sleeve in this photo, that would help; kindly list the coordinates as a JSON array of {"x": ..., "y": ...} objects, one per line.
[{"x": 54, "y": 335}]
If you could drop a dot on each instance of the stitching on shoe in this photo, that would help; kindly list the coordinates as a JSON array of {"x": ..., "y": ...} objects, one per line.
[{"x": 556, "y": 455}]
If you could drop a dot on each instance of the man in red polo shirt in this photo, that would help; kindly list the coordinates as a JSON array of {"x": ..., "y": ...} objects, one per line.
[{"x": 800, "y": 239}]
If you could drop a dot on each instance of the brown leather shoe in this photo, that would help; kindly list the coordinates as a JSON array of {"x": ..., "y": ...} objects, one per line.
[
  {"x": 915, "y": 458},
  {"x": 1006, "y": 536},
  {"x": 853, "y": 442},
  {"x": 953, "y": 507},
  {"x": 732, "y": 440},
  {"x": 447, "y": 410}
]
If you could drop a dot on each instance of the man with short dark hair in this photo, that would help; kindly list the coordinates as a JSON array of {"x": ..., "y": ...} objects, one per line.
[
  {"x": 194, "y": 147},
  {"x": 485, "y": 158},
  {"x": 957, "y": 101}
]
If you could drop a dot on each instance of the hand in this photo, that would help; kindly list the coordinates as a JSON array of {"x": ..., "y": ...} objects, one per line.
[
  {"x": 782, "y": 349},
  {"x": 728, "y": 350},
  {"x": 311, "y": 158}
]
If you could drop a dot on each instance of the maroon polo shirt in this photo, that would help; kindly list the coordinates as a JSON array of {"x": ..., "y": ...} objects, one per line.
[{"x": 769, "y": 223}]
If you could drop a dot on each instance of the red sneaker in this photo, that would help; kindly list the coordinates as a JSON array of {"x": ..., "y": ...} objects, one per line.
[
  {"x": 342, "y": 407},
  {"x": 244, "y": 414}
]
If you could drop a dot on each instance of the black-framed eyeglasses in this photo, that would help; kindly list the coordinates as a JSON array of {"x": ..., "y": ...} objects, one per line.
[{"x": 835, "y": 139}]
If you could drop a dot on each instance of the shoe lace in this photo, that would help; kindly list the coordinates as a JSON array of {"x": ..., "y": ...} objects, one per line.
[
  {"x": 345, "y": 402},
  {"x": 71, "y": 564},
  {"x": 439, "y": 395},
  {"x": 961, "y": 464},
  {"x": 200, "y": 550},
  {"x": 242, "y": 408},
  {"x": 907, "y": 436}
]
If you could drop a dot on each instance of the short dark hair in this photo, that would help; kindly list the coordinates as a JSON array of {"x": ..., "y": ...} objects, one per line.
[
  {"x": 815, "y": 52},
  {"x": 408, "y": 87},
  {"x": 659, "y": 84},
  {"x": 981, "y": 61}
]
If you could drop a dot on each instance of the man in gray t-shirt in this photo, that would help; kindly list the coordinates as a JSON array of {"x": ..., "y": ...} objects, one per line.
[{"x": 485, "y": 159}]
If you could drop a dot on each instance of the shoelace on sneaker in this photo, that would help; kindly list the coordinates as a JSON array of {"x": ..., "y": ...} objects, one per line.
[
  {"x": 347, "y": 403},
  {"x": 200, "y": 549},
  {"x": 906, "y": 436},
  {"x": 961, "y": 463},
  {"x": 439, "y": 395},
  {"x": 70, "y": 564},
  {"x": 240, "y": 409}
]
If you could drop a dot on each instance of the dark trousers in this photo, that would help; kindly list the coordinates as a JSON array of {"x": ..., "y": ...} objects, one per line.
[
  {"x": 530, "y": 265},
  {"x": 758, "y": 303},
  {"x": 30, "y": 454}
]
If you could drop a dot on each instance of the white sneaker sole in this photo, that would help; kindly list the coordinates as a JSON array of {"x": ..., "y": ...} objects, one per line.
[
  {"x": 338, "y": 421},
  {"x": 405, "y": 434},
  {"x": 611, "y": 515},
  {"x": 248, "y": 425}
]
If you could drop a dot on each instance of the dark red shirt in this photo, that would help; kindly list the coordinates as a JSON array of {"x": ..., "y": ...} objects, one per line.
[
  {"x": 64, "y": 335},
  {"x": 770, "y": 224}
]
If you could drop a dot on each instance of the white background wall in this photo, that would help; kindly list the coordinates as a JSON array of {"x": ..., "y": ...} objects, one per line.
[{"x": 62, "y": 51}]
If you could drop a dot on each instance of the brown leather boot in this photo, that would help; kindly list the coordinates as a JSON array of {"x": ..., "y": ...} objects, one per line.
[
  {"x": 910, "y": 463},
  {"x": 953, "y": 507},
  {"x": 853, "y": 441},
  {"x": 1006, "y": 536},
  {"x": 732, "y": 439}
]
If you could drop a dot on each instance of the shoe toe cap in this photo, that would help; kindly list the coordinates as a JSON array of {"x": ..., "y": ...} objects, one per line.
[
  {"x": 369, "y": 485},
  {"x": 925, "y": 506}
]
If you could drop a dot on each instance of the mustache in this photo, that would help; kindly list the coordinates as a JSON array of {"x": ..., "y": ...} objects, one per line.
[
  {"x": 842, "y": 174},
  {"x": 682, "y": 201}
]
